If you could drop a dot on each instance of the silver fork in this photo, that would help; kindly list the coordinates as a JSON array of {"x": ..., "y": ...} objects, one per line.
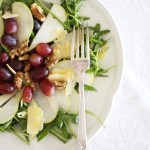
[{"x": 80, "y": 63}]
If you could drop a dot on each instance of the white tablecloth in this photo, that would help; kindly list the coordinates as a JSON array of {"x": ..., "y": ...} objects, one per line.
[{"x": 128, "y": 123}]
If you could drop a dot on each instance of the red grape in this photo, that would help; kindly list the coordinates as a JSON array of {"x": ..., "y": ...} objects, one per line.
[
  {"x": 16, "y": 64},
  {"x": 10, "y": 26},
  {"x": 44, "y": 49},
  {"x": 39, "y": 73},
  {"x": 9, "y": 41},
  {"x": 47, "y": 87},
  {"x": 36, "y": 60},
  {"x": 5, "y": 75},
  {"x": 6, "y": 88},
  {"x": 4, "y": 57},
  {"x": 27, "y": 94}
]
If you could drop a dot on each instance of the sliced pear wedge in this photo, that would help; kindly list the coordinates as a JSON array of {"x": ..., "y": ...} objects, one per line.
[
  {"x": 5, "y": 98},
  {"x": 49, "y": 31},
  {"x": 63, "y": 100},
  {"x": 24, "y": 20},
  {"x": 74, "y": 102},
  {"x": 49, "y": 106},
  {"x": 59, "y": 11},
  {"x": 8, "y": 111},
  {"x": 1, "y": 27}
]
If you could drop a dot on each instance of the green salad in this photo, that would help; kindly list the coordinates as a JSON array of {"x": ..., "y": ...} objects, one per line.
[{"x": 39, "y": 89}]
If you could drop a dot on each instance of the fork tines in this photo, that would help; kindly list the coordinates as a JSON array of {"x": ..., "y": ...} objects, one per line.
[{"x": 78, "y": 38}]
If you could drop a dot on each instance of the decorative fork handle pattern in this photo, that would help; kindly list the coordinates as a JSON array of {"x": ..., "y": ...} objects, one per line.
[{"x": 82, "y": 137}]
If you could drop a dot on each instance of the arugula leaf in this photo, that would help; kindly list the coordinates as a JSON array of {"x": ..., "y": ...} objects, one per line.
[
  {"x": 97, "y": 28},
  {"x": 58, "y": 135},
  {"x": 43, "y": 133},
  {"x": 5, "y": 126},
  {"x": 89, "y": 88},
  {"x": 4, "y": 48},
  {"x": 58, "y": 127},
  {"x": 72, "y": 8},
  {"x": 86, "y": 87},
  {"x": 96, "y": 43},
  {"x": 101, "y": 72},
  {"x": 1, "y": 1}
]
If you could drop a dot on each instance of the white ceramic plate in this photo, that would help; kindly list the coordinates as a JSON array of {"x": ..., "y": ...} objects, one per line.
[{"x": 97, "y": 102}]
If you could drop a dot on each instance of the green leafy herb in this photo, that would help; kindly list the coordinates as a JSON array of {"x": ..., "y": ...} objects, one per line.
[
  {"x": 86, "y": 87},
  {"x": 72, "y": 8},
  {"x": 59, "y": 127},
  {"x": 44, "y": 132},
  {"x": 101, "y": 72},
  {"x": 4, "y": 48},
  {"x": 1, "y": 4},
  {"x": 96, "y": 43},
  {"x": 89, "y": 88},
  {"x": 5, "y": 126}
]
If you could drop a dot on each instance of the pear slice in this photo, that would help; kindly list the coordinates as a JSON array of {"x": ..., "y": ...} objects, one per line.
[
  {"x": 59, "y": 11},
  {"x": 24, "y": 20},
  {"x": 63, "y": 100},
  {"x": 5, "y": 98},
  {"x": 1, "y": 27},
  {"x": 74, "y": 102},
  {"x": 48, "y": 105},
  {"x": 49, "y": 31},
  {"x": 8, "y": 111}
]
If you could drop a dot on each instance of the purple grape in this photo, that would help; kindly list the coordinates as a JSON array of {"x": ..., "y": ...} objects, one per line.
[
  {"x": 6, "y": 88},
  {"x": 5, "y": 75},
  {"x": 37, "y": 25},
  {"x": 10, "y": 26},
  {"x": 39, "y": 73},
  {"x": 36, "y": 60},
  {"x": 4, "y": 57},
  {"x": 16, "y": 64},
  {"x": 9, "y": 41}
]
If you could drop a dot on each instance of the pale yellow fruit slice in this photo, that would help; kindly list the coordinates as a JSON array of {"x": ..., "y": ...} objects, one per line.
[
  {"x": 35, "y": 119},
  {"x": 24, "y": 20},
  {"x": 8, "y": 111},
  {"x": 1, "y": 27}
]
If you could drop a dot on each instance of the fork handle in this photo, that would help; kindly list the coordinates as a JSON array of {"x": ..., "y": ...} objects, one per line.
[{"x": 82, "y": 137}]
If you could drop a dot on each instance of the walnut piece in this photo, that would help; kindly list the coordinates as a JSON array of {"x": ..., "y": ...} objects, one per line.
[
  {"x": 60, "y": 84},
  {"x": 18, "y": 79},
  {"x": 14, "y": 53},
  {"x": 27, "y": 77},
  {"x": 22, "y": 49},
  {"x": 27, "y": 67},
  {"x": 24, "y": 57},
  {"x": 51, "y": 61},
  {"x": 38, "y": 12}
]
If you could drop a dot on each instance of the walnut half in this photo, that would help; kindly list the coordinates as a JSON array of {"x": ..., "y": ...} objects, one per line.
[
  {"x": 60, "y": 84},
  {"x": 38, "y": 12},
  {"x": 51, "y": 61},
  {"x": 18, "y": 80}
]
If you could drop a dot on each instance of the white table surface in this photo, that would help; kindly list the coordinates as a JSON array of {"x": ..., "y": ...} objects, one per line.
[{"x": 128, "y": 123}]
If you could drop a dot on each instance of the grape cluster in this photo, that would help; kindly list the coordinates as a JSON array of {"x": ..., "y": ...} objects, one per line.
[{"x": 38, "y": 71}]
